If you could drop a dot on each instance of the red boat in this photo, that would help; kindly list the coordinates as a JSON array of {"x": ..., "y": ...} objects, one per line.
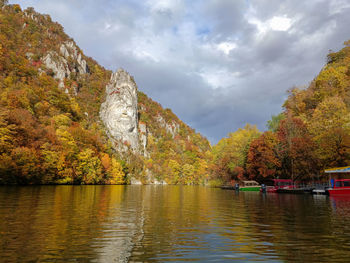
[
  {"x": 339, "y": 184},
  {"x": 339, "y": 187},
  {"x": 279, "y": 184}
]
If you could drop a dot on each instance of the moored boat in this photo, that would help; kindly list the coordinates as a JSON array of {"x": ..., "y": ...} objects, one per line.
[
  {"x": 250, "y": 186},
  {"x": 278, "y": 184},
  {"x": 339, "y": 187}
]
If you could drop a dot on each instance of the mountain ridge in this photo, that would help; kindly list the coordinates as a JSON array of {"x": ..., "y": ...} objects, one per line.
[{"x": 47, "y": 78}]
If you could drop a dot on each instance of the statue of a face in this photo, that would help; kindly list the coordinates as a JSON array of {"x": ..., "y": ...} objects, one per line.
[
  {"x": 119, "y": 111},
  {"x": 124, "y": 114}
]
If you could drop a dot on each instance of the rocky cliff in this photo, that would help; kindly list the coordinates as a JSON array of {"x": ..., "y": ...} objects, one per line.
[
  {"x": 58, "y": 63},
  {"x": 119, "y": 111}
]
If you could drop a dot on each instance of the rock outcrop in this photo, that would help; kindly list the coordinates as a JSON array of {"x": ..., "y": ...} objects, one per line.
[
  {"x": 119, "y": 111},
  {"x": 68, "y": 49},
  {"x": 143, "y": 136},
  {"x": 172, "y": 127},
  {"x": 60, "y": 66}
]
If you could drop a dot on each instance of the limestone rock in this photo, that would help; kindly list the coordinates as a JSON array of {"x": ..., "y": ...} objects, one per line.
[
  {"x": 134, "y": 181},
  {"x": 58, "y": 63},
  {"x": 119, "y": 111},
  {"x": 162, "y": 182},
  {"x": 68, "y": 49},
  {"x": 143, "y": 135},
  {"x": 172, "y": 127}
]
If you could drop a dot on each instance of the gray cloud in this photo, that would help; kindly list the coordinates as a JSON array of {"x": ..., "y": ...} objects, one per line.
[{"x": 217, "y": 64}]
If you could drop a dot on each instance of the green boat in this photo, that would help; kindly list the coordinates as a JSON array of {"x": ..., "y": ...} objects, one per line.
[{"x": 250, "y": 186}]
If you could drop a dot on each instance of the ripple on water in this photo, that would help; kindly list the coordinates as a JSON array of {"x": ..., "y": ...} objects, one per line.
[{"x": 169, "y": 223}]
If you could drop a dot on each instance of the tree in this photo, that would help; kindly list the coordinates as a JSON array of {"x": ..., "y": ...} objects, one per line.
[
  {"x": 89, "y": 167},
  {"x": 230, "y": 154},
  {"x": 51, "y": 163},
  {"x": 3, "y": 2},
  {"x": 296, "y": 149},
  {"x": 7, "y": 134},
  {"x": 174, "y": 171},
  {"x": 27, "y": 165},
  {"x": 331, "y": 132},
  {"x": 262, "y": 157},
  {"x": 274, "y": 123},
  {"x": 116, "y": 174},
  {"x": 188, "y": 174}
]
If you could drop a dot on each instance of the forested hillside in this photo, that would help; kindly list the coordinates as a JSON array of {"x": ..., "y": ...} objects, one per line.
[
  {"x": 311, "y": 134},
  {"x": 50, "y": 130}
]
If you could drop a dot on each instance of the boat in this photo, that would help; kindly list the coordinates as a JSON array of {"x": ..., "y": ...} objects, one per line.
[
  {"x": 250, "y": 186},
  {"x": 339, "y": 187},
  {"x": 278, "y": 184}
]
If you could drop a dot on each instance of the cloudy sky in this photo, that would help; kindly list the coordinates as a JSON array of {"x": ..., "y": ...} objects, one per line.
[{"x": 218, "y": 64}]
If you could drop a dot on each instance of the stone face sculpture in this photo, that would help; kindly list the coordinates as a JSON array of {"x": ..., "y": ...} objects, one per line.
[{"x": 119, "y": 111}]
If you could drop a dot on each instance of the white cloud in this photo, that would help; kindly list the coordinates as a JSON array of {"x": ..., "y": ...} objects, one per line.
[
  {"x": 226, "y": 47},
  {"x": 219, "y": 77},
  {"x": 338, "y": 6},
  {"x": 164, "y": 5},
  {"x": 279, "y": 23},
  {"x": 276, "y": 23}
]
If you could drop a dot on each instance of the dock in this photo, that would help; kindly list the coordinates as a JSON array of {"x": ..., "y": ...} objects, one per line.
[
  {"x": 295, "y": 191},
  {"x": 228, "y": 187},
  {"x": 319, "y": 192}
]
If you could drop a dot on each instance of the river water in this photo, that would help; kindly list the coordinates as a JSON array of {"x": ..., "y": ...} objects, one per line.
[{"x": 169, "y": 223}]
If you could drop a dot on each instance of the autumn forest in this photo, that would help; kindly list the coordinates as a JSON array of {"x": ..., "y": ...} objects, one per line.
[{"x": 50, "y": 135}]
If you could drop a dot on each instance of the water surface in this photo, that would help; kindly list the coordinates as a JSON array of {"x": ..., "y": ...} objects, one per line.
[{"x": 169, "y": 223}]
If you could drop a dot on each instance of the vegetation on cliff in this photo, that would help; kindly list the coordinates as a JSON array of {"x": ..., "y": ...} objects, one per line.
[{"x": 50, "y": 134}]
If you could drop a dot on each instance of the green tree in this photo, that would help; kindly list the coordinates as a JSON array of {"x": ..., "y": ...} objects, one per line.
[{"x": 274, "y": 123}]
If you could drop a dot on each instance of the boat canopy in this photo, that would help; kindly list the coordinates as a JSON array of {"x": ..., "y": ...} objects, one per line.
[
  {"x": 251, "y": 183},
  {"x": 345, "y": 169}
]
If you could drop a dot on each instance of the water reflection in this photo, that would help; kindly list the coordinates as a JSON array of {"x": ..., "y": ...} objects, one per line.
[{"x": 169, "y": 223}]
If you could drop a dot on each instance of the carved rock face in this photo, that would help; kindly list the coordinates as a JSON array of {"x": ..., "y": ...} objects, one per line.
[{"x": 119, "y": 111}]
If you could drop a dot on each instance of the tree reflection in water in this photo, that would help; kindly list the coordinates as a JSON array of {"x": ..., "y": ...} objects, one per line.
[{"x": 169, "y": 223}]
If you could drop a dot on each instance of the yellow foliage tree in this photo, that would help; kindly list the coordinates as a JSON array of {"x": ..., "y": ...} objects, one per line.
[
  {"x": 116, "y": 173},
  {"x": 230, "y": 154},
  {"x": 6, "y": 135},
  {"x": 330, "y": 127},
  {"x": 188, "y": 172},
  {"x": 174, "y": 170},
  {"x": 89, "y": 167}
]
